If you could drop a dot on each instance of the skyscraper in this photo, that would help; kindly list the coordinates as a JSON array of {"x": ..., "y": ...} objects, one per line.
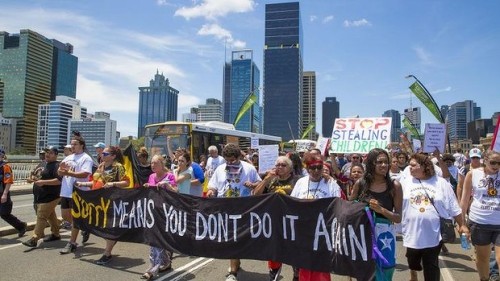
[
  {"x": 309, "y": 104},
  {"x": 283, "y": 71},
  {"x": 34, "y": 69},
  {"x": 413, "y": 113},
  {"x": 331, "y": 111},
  {"x": 395, "y": 124},
  {"x": 210, "y": 111},
  {"x": 244, "y": 79},
  {"x": 157, "y": 103},
  {"x": 459, "y": 114},
  {"x": 53, "y": 121},
  {"x": 100, "y": 128}
]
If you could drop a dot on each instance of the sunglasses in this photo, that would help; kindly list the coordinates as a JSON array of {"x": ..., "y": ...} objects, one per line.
[
  {"x": 106, "y": 153},
  {"x": 317, "y": 167},
  {"x": 280, "y": 165},
  {"x": 494, "y": 162},
  {"x": 355, "y": 157}
]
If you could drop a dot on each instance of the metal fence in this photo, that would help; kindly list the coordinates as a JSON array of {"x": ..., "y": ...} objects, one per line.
[{"x": 22, "y": 170}]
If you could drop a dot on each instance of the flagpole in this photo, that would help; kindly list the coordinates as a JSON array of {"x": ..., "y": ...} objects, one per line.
[{"x": 432, "y": 99}]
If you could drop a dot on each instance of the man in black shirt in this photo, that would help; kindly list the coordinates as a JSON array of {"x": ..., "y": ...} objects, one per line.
[{"x": 46, "y": 192}]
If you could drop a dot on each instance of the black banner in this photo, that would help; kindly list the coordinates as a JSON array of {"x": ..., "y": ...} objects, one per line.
[{"x": 330, "y": 235}]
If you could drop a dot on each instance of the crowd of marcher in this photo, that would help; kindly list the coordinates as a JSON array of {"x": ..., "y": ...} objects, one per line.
[{"x": 407, "y": 193}]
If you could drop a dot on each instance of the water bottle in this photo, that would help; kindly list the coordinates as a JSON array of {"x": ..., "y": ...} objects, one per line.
[{"x": 465, "y": 242}]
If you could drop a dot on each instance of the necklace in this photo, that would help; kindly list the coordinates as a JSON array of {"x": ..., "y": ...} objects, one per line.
[{"x": 312, "y": 196}]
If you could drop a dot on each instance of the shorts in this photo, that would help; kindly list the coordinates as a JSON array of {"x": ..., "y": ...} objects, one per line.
[
  {"x": 484, "y": 234},
  {"x": 66, "y": 203}
]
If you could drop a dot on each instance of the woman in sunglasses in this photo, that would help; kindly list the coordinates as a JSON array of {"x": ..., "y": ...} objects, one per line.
[
  {"x": 314, "y": 186},
  {"x": 109, "y": 174},
  {"x": 484, "y": 213}
]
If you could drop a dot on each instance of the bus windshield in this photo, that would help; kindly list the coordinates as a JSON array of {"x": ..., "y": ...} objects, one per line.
[{"x": 155, "y": 139}]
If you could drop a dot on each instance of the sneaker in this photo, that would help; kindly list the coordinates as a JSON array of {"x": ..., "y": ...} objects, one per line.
[
  {"x": 85, "y": 236},
  {"x": 23, "y": 230},
  {"x": 66, "y": 225},
  {"x": 231, "y": 277},
  {"x": 103, "y": 260},
  {"x": 51, "y": 238},
  {"x": 32, "y": 242},
  {"x": 69, "y": 248},
  {"x": 274, "y": 274}
]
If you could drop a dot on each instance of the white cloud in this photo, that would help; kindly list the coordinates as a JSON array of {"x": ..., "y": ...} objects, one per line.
[
  {"x": 162, "y": 2},
  {"x": 221, "y": 33},
  {"x": 444, "y": 90},
  {"x": 423, "y": 56},
  {"x": 313, "y": 18},
  {"x": 328, "y": 19},
  {"x": 212, "y": 9},
  {"x": 357, "y": 23}
]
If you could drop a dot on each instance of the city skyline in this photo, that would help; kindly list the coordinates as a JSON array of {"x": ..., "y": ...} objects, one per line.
[{"x": 360, "y": 51}]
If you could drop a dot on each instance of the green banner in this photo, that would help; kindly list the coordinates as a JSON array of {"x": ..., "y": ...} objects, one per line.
[
  {"x": 308, "y": 129},
  {"x": 410, "y": 127},
  {"x": 252, "y": 98},
  {"x": 426, "y": 99}
]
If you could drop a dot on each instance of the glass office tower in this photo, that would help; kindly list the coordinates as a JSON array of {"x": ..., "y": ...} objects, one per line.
[
  {"x": 331, "y": 111},
  {"x": 283, "y": 71},
  {"x": 157, "y": 103}
]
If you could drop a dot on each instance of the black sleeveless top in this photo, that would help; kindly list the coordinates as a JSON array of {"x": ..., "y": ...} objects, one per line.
[{"x": 384, "y": 198}]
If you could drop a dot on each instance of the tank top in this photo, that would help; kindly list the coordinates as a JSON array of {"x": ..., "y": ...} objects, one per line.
[{"x": 384, "y": 199}]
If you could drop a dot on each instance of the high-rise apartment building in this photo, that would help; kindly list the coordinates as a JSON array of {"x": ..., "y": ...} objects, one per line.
[
  {"x": 283, "y": 71},
  {"x": 33, "y": 69},
  {"x": 244, "y": 80},
  {"x": 331, "y": 111},
  {"x": 53, "y": 121},
  {"x": 395, "y": 124},
  {"x": 210, "y": 111},
  {"x": 414, "y": 114},
  {"x": 157, "y": 103},
  {"x": 99, "y": 128},
  {"x": 309, "y": 104},
  {"x": 7, "y": 133},
  {"x": 459, "y": 114}
]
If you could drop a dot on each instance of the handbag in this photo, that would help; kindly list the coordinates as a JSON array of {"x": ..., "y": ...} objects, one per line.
[{"x": 446, "y": 226}]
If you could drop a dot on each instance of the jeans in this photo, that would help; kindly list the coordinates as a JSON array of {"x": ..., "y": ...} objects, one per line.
[
  {"x": 6, "y": 215},
  {"x": 46, "y": 212}
]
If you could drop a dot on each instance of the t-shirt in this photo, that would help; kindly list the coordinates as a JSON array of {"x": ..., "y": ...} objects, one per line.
[
  {"x": 185, "y": 186},
  {"x": 197, "y": 189},
  {"x": 307, "y": 189},
  {"x": 45, "y": 194},
  {"x": 168, "y": 177},
  {"x": 78, "y": 163},
  {"x": 228, "y": 180},
  {"x": 212, "y": 164},
  {"x": 485, "y": 207},
  {"x": 459, "y": 160},
  {"x": 420, "y": 220},
  {"x": 6, "y": 176},
  {"x": 282, "y": 186}
]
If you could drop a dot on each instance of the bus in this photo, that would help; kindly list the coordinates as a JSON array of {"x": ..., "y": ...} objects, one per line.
[{"x": 198, "y": 136}]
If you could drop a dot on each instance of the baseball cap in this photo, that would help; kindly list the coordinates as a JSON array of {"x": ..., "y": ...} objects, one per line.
[
  {"x": 67, "y": 146},
  {"x": 475, "y": 152},
  {"x": 51, "y": 148},
  {"x": 100, "y": 145}
]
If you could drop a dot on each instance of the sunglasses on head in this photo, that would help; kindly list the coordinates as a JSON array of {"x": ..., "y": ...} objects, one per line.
[{"x": 315, "y": 167}]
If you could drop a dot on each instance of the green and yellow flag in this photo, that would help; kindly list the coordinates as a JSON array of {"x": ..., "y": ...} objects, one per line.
[
  {"x": 410, "y": 127},
  {"x": 427, "y": 100},
  {"x": 307, "y": 130},
  {"x": 252, "y": 98}
]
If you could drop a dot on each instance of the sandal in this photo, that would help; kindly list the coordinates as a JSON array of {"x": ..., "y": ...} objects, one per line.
[{"x": 147, "y": 276}]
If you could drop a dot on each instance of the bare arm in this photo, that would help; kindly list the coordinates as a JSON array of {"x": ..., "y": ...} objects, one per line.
[{"x": 466, "y": 193}]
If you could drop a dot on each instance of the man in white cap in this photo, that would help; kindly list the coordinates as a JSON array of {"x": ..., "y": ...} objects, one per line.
[
  {"x": 67, "y": 150},
  {"x": 99, "y": 148}
]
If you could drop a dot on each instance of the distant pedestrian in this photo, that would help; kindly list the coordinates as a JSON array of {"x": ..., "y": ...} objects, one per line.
[{"x": 6, "y": 180}]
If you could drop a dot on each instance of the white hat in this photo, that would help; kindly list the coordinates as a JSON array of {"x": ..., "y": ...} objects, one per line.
[
  {"x": 475, "y": 152},
  {"x": 67, "y": 146}
]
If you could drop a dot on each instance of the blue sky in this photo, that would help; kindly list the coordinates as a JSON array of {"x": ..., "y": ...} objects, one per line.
[{"x": 361, "y": 50}]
